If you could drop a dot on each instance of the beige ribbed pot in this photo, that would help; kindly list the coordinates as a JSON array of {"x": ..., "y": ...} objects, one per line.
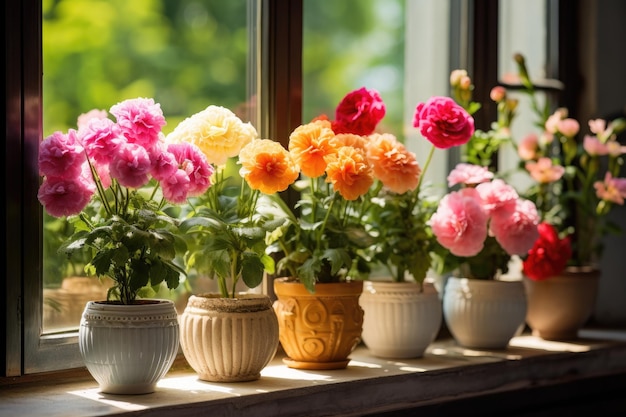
[
  {"x": 484, "y": 314},
  {"x": 401, "y": 318},
  {"x": 559, "y": 306},
  {"x": 320, "y": 330},
  {"x": 228, "y": 339}
]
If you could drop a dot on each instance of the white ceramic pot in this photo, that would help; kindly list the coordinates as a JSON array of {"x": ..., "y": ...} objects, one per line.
[
  {"x": 228, "y": 339},
  {"x": 400, "y": 320},
  {"x": 128, "y": 348},
  {"x": 484, "y": 314}
]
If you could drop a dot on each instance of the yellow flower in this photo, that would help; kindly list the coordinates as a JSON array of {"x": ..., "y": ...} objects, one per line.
[
  {"x": 217, "y": 131},
  {"x": 309, "y": 144},
  {"x": 267, "y": 166}
]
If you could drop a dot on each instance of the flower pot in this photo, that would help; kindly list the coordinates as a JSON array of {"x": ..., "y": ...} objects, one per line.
[
  {"x": 320, "y": 330},
  {"x": 401, "y": 319},
  {"x": 128, "y": 348},
  {"x": 559, "y": 306},
  {"x": 484, "y": 314},
  {"x": 228, "y": 339}
]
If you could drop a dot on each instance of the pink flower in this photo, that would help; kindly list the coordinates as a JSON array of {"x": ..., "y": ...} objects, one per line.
[
  {"x": 469, "y": 174},
  {"x": 176, "y": 187},
  {"x": 528, "y": 147},
  {"x": 140, "y": 120},
  {"x": 131, "y": 165},
  {"x": 597, "y": 126},
  {"x": 543, "y": 171},
  {"x": 552, "y": 123},
  {"x": 193, "y": 162},
  {"x": 611, "y": 189},
  {"x": 85, "y": 118},
  {"x": 101, "y": 138},
  {"x": 516, "y": 232},
  {"x": 65, "y": 196},
  {"x": 568, "y": 127},
  {"x": 164, "y": 163},
  {"x": 61, "y": 155},
  {"x": 594, "y": 147},
  {"x": 460, "y": 223},
  {"x": 443, "y": 122},
  {"x": 359, "y": 112},
  {"x": 497, "y": 197},
  {"x": 615, "y": 149},
  {"x": 497, "y": 93}
]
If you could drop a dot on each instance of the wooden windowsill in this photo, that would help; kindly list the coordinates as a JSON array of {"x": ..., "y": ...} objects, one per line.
[{"x": 369, "y": 385}]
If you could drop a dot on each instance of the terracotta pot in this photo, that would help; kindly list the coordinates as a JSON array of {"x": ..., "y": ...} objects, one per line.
[
  {"x": 128, "y": 348},
  {"x": 401, "y": 318},
  {"x": 484, "y": 314},
  {"x": 228, "y": 339},
  {"x": 320, "y": 330},
  {"x": 559, "y": 306}
]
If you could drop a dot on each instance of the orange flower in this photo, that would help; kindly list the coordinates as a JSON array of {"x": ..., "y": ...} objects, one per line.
[
  {"x": 267, "y": 166},
  {"x": 349, "y": 172},
  {"x": 393, "y": 164},
  {"x": 349, "y": 139},
  {"x": 309, "y": 144}
]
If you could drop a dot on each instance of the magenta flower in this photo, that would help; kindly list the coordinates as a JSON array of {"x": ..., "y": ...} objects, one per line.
[
  {"x": 469, "y": 174},
  {"x": 516, "y": 231},
  {"x": 61, "y": 155},
  {"x": 443, "y": 122},
  {"x": 101, "y": 137},
  {"x": 460, "y": 223},
  {"x": 140, "y": 120},
  {"x": 359, "y": 112},
  {"x": 131, "y": 165},
  {"x": 194, "y": 163},
  {"x": 176, "y": 187},
  {"x": 68, "y": 196},
  {"x": 164, "y": 163}
]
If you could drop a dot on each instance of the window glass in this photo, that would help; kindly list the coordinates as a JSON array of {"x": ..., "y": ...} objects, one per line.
[{"x": 185, "y": 54}]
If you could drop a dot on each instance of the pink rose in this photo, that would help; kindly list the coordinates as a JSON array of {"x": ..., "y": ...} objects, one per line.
[
  {"x": 469, "y": 174},
  {"x": 140, "y": 120},
  {"x": 516, "y": 232},
  {"x": 65, "y": 196},
  {"x": 359, "y": 112},
  {"x": 131, "y": 165},
  {"x": 61, "y": 155},
  {"x": 460, "y": 223},
  {"x": 443, "y": 122}
]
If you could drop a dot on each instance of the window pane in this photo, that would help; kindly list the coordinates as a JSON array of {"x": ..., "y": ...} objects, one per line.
[{"x": 185, "y": 54}]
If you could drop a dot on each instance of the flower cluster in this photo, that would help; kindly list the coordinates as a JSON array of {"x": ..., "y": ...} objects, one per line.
[
  {"x": 227, "y": 226},
  {"x": 115, "y": 180},
  {"x": 483, "y": 223},
  {"x": 576, "y": 181}
]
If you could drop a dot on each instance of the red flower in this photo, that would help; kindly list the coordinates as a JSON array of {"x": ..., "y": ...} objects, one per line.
[
  {"x": 443, "y": 122},
  {"x": 359, "y": 112},
  {"x": 548, "y": 256}
]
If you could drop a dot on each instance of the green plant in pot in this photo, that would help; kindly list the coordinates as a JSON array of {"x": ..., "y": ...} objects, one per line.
[{"x": 117, "y": 181}]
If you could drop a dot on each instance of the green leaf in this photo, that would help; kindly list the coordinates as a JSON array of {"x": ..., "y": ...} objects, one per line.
[{"x": 252, "y": 269}]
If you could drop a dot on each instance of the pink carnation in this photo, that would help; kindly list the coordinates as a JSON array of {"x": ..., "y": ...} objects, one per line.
[
  {"x": 84, "y": 119},
  {"x": 101, "y": 138},
  {"x": 528, "y": 147},
  {"x": 568, "y": 127},
  {"x": 469, "y": 174},
  {"x": 460, "y": 223},
  {"x": 611, "y": 189},
  {"x": 131, "y": 165},
  {"x": 140, "y": 120},
  {"x": 65, "y": 196},
  {"x": 164, "y": 163},
  {"x": 544, "y": 171},
  {"x": 359, "y": 112},
  {"x": 194, "y": 163},
  {"x": 61, "y": 155},
  {"x": 497, "y": 197},
  {"x": 517, "y": 232},
  {"x": 176, "y": 187},
  {"x": 443, "y": 122}
]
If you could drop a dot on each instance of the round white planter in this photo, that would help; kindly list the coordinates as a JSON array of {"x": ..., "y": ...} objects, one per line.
[
  {"x": 229, "y": 339},
  {"x": 400, "y": 320},
  {"x": 484, "y": 314},
  {"x": 128, "y": 348}
]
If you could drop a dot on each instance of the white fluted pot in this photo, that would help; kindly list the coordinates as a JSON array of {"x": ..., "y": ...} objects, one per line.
[
  {"x": 484, "y": 314},
  {"x": 400, "y": 319},
  {"x": 128, "y": 348},
  {"x": 228, "y": 339}
]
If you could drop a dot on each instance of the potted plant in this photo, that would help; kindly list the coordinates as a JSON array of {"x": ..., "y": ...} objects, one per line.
[
  {"x": 403, "y": 312},
  {"x": 231, "y": 335},
  {"x": 115, "y": 180},
  {"x": 575, "y": 185},
  {"x": 480, "y": 227}
]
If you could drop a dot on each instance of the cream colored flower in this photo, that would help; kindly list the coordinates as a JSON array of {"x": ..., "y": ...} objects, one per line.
[{"x": 217, "y": 131}]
